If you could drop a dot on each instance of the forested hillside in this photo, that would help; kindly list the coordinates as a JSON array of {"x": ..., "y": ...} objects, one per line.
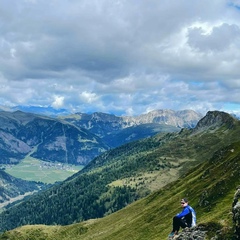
[
  {"x": 125, "y": 174},
  {"x": 210, "y": 187}
]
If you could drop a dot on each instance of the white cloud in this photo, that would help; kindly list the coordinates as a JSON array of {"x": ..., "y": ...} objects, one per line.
[
  {"x": 219, "y": 39},
  {"x": 120, "y": 56},
  {"x": 58, "y": 101},
  {"x": 88, "y": 97}
]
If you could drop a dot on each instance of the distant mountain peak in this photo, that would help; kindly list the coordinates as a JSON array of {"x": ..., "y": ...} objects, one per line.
[
  {"x": 182, "y": 118},
  {"x": 215, "y": 119}
]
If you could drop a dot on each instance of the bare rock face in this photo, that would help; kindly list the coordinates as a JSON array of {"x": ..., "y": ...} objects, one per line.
[{"x": 236, "y": 213}]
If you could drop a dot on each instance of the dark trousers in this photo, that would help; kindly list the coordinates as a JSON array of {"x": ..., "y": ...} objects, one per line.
[{"x": 177, "y": 223}]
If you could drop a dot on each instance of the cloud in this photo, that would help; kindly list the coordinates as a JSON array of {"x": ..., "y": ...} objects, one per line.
[
  {"x": 220, "y": 38},
  {"x": 120, "y": 56},
  {"x": 58, "y": 102},
  {"x": 88, "y": 97}
]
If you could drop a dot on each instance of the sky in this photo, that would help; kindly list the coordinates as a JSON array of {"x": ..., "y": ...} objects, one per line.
[{"x": 124, "y": 57}]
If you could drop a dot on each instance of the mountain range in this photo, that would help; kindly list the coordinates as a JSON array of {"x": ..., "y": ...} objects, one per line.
[
  {"x": 77, "y": 139},
  {"x": 201, "y": 162},
  {"x": 40, "y": 110},
  {"x": 118, "y": 130}
]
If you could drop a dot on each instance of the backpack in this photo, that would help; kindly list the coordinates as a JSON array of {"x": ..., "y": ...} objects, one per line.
[{"x": 194, "y": 217}]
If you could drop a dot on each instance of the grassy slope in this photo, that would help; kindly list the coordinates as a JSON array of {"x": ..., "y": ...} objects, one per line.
[
  {"x": 174, "y": 152},
  {"x": 210, "y": 188}
]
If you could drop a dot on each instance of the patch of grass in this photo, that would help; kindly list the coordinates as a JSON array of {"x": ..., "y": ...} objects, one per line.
[{"x": 149, "y": 180}]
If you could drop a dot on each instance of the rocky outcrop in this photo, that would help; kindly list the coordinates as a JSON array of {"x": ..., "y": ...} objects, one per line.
[
  {"x": 197, "y": 232},
  {"x": 236, "y": 213}
]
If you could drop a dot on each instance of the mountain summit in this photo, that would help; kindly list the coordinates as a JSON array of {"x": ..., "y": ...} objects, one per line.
[{"x": 215, "y": 119}]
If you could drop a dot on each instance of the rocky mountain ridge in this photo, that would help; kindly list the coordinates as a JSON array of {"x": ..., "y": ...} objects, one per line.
[
  {"x": 180, "y": 119},
  {"x": 108, "y": 126}
]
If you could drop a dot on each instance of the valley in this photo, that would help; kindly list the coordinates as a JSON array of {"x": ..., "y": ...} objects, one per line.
[{"x": 32, "y": 169}]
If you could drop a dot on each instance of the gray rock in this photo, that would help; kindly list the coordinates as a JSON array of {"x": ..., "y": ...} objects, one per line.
[
  {"x": 236, "y": 213},
  {"x": 195, "y": 233}
]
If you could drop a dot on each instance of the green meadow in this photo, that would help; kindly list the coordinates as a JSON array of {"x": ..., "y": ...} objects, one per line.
[{"x": 33, "y": 169}]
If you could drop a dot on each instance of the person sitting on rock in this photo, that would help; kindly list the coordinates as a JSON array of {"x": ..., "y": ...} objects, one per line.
[{"x": 187, "y": 218}]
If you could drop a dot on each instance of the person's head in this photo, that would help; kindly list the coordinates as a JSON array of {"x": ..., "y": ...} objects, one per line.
[{"x": 184, "y": 202}]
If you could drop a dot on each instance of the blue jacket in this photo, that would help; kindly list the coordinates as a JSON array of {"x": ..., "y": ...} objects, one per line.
[
  {"x": 184, "y": 212},
  {"x": 189, "y": 215}
]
